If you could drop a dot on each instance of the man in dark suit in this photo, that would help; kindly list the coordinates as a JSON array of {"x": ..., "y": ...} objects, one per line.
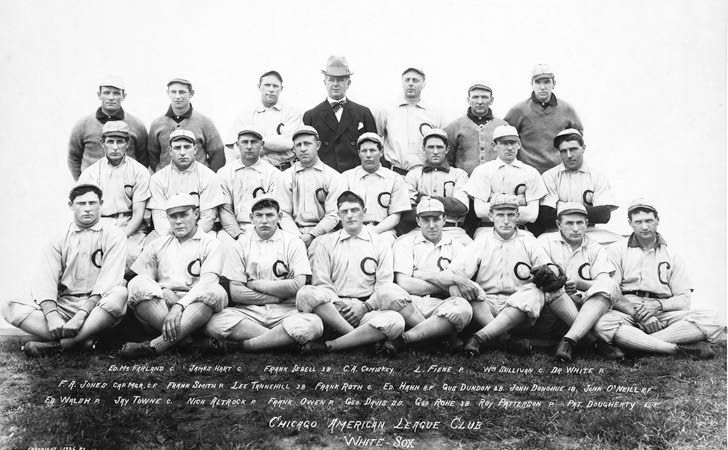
[{"x": 339, "y": 121}]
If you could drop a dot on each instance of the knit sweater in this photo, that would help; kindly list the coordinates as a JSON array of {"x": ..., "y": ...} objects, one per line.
[
  {"x": 537, "y": 128},
  {"x": 84, "y": 146},
  {"x": 470, "y": 144},
  {"x": 210, "y": 148}
]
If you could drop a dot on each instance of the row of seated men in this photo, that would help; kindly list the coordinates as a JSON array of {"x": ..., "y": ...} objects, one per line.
[{"x": 428, "y": 286}]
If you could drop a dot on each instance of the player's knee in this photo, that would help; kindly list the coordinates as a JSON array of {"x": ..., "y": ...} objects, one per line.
[
  {"x": 390, "y": 323},
  {"x": 303, "y": 327},
  {"x": 214, "y": 296},
  {"x": 458, "y": 312},
  {"x": 142, "y": 288},
  {"x": 309, "y": 298},
  {"x": 604, "y": 287},
  {"x": 706, "y": 322},
  {"x": 606, "y": 326},
  {"x": 214, "y": 327},
  {"x": 115, "y": 302},
  {"x": 391, "y": 297}
]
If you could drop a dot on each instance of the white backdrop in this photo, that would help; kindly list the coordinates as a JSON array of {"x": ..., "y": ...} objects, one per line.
[{"x": 647, "y": 78}]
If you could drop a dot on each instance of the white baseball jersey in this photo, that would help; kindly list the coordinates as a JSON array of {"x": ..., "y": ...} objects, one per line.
[
  {"x": 276, "y": 124},
  {"x": 497, "y": 177},
  {"x": 403, "y": 127},
  {"x": 414, "y": 252},
  {"x": 195, "y": 180},
  {"x": 384, "y": 191},
  {"x": 584, "y": 185},
  {"x": 241, "y": 184},
  {"x": 586, "y": 262},
  {"x": 122, "y": 185},
  {"x": 439, "y": 182}
]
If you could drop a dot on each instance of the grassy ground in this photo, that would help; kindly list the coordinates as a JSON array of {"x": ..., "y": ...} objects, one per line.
[{"x": 662, "y": 402}]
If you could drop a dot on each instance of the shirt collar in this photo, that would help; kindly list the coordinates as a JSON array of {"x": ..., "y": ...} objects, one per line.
[
  {"x": 364, "y": 234},
  {"x": 444, "y": 167},
  {"x": 189, "y": 169},
  {"x": 274, "y": 238},
  {"x": 361, "y": 173},
  {"x": 298, "y": 167},
  {"x": 445, "y": 239},
  {"x": 586, "y": 242},
  {"x": 238, "y": 164},
  {"x": 123, "y": 161},
  {"x": 95, "y": 227},
  {"x": 634, "y": 243},
  {"x": 103, "y": 118},
  {"x": 480, "y": 120},
  {"x": 332, "y": 101},
  {"x": 584, "y": 168},
  {"x": 181, "y": 117},
  {"x": 199, "y": 234},
  {"x": 420, "y": 103},
  {"x": 552, "y": 101},
  {"x": 262, "y": 108},
  {"x": 500, "y": 163}
]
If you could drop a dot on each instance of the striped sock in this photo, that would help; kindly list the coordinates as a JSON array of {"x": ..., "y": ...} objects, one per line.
[
  {"x": 590, "y": 312},
  {"x": 36, "y": 325},
  {"x": 193, "y": 317},
  {"x": 274, "y": 338},
  {"x": 481, "y": 313},
  {"x": 503, "y": 322},
  {"x": 97, "y": 321},
  {"x": 152, "y": 312},
  {"x": 412, "y": 316},
  {"x": 682, "y": 332},
  {"x": 564, "y": 308},
  {"x": 362, "y": 335},
  {"x": 332, "y": 319},
  {"x": 430, "y": 328},
  {"x": 635, "y": 339}
]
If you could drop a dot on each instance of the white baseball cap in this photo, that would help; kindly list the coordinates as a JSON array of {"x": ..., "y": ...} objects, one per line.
[{"x": 503, "y": 131}]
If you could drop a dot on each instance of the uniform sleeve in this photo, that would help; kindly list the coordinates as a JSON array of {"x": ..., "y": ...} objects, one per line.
[
  {"x": 385, "y": 264},
  {"x": 535, "y": 188},
  {"x": 154, "y": 148},
  {"x": 679, "y": 281},
  {"x": 284, "y": 195},
  {"x": 479, "y": 185},
  {"x": 322, "y": 265},
  {"x": 298, "y": 263},
  {"x": 214, "y": 147},
  {"x": 615, "y": 252},
  {"x": 291, "y": 122},
  {"x": 467, "y": 262},
  {"x": 603, "y": 194},
  {"x": 273, "y": 180},
  {"x": 459, "y": 193},
  {"x": 452, "y": 140},
  {"x": 331, "y": 219},
  {"x": 213, "y": 257},
  {"x": 157, "y": 192},
  {"x": 538, "y": 254},
  {"x": 87, "y": 176},
  {"x": 381, "y": 121},
  {"x": 141, "y": 191},
  {"x": 226, "y": 194},
  {"x": 75, "y": 150},
  {"x": 411, "y": 179},
  {"x": 599, "y": 262},
  {"x": 234, "y": 267},
  {"x": 404, "y": 261},
  {"x": 211, "y": 195},
  {"x": 141, "y": 151},
  {"x": 576, "y": 121},
  {"x": 552, "y": 196},
  {"x": 513, "y": 117},
  {"x": 113, "y": 261},
  {"x": 48, "y": 272},
  {"x": 400, "y": 196},
  {"x": 147, "y": 263}
]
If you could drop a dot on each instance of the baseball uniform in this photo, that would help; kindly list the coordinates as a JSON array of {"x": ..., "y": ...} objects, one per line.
[{"x": 471, "y": 140}]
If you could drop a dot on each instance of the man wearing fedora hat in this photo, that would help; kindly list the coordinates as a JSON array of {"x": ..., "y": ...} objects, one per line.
[{"x": 338, "y": 120}]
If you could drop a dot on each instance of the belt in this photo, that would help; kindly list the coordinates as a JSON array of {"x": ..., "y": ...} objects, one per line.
[
  {"x": 284, "y": 166},
  {"x": 373, "y": 222},
  {"x": 439, "y": 296},
  {"x": 400, "y": 170},
  {"x": 644, "y": 294},
  {"x": 485, "y": 223},
  {"x": 117, "y": 215}
]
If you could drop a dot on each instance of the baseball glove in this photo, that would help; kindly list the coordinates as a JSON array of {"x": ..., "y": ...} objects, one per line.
[{"x": 545, "y": 279}]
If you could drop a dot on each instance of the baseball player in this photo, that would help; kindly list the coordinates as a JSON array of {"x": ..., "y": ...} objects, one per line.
[
  {"x": 307, "y": 191},
  {"x": 77, "y": 292},
  {"x": 84, "y": 147},
  {"x": 125, "y": 186},
  {"x": 404, "y": 124},
  {"x": 505, "y": 175},
  {"x": 419, "y": 259},
  {"x": 184, "y": 175},
  {"x": 384, "y": 192},
  {"x": 437, "y": 179},
  {"x": 590, "y": 291},
  {"x": 243, "y": 179},
  {"x": 276, "y": 122},
  {"x": 353, "y": 290},
  {"x": 501, "y": 262},
  {"x": 265, "y": 269},
  {"x": 575, "y": 181},
  {"x": 177, "y": 288},
  {"x": 181, "y": 115},
  {"x": 655, "y": 315}
]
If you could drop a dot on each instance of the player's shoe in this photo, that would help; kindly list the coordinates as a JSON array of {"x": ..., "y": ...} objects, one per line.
[
  {"x": 36, "y": 349},
  {"x": 391, "y": 347},
  {"x": 564, "y": 350},
  {"x": 608, "y": 351},
  {"x": 471, "y": 349},
  {"x": 137, "y": 350},
  {"x": 518, "y": 346},
  {"x": 314, "y": 348},
  {"x": 452, "y": 344},
  {"x": 699, "y": 350}
]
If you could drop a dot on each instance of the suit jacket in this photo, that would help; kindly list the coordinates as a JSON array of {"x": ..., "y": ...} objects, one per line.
[{"x": 338, "y": 139}]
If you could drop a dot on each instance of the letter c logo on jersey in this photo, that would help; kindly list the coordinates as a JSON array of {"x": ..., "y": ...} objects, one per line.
[
  {"x": 368, "y": 266},
  {"x": 194, "y": 268},
  {"x": 522, "y": 271},
  {"x": 321, "y": 195},
  {"x": 278, "y": 129},
  {"x": 258, "y": 190},
  {"x": 96, "y": 258},
  {"x": 443, "y": 263},
  {"x": 584, "y": 271},
  {"x": 425, "y": 128},
  {"x": 197, "y": 194},
  {"x": 520, "y": 189},
  {"x": 662, "y": 274},
  {"x": 128, "y": 190},
  {"x": 588, "y": 197},
  {"x": 384, "y": 199},
  {"x": 448, "y": 189},
  {"x": 280, "y": 269}
]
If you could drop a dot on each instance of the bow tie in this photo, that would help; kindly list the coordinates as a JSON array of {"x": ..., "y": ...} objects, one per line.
[
  {"x": 338, "y": 105},
  {"x": 428, "y": 169}
]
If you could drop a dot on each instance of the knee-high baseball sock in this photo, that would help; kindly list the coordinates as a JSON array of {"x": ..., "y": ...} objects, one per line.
[
  {"x": 590, "y": 312},
  {"x": 481, "y": 313},
  {"x": 632, "y": 338},
  {"x": 332, "y": 319},
  {"x": 36, "y": 325},
  {"x": 274, "y": 338},
  {"x": 430, "y": 328},
  {"x": 246, "y": 329},
  {"x": 504, "y": 321},
  {"x": 682, "y": 332},
  {"x": 362, "y": 335},
  {"x": 193, "y": 317},
  {"x": 152, "y": 312},
  {"x": 97, "y": 321},
  {"x": 564, "y": 308},
  {"x": 412, "y": 316}
]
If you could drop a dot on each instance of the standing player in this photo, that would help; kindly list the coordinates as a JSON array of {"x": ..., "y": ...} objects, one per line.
[
  {"x": 438, "y": 180},
  {"x": 384, "y": 192},
  {"x": 84, "y": 147},
  {"x": 265, "y": 269},
  {"x": 77, "y": 292},
  {"x": 353, "y": 284},
  {"x": 656, "y": 316},
  {"x": 187, "y": 176},
  {"x": 181, "y": 115},
  {"x": 177, "y": 288},
  {"x": 125, "y": 186},
  {"x": 505, "y": 175},
  {"x": 243, "y": 179}
]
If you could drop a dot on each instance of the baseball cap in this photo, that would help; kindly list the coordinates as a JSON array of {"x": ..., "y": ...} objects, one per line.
[
  {"x": 306, "y": 129},
  {"x": 250, "y": 130},
  {"x": 541, "y": 71},
  {"x": 337, "y": 66},
  {"x": 182, "y": 134},
  {"x": 115, "y": 128},
  {"x": 180, "y": 79},
  {"x": 416, "y": 69},
  {"x": 641, "y": 203},
  {"x": 435, "y": 132},
  {"x": 504, "y": 201},
  {"x": 503, "y": 131},
  {"x": 180, "y": 202},
  {"x": 571, "y": 208},
  {"x": 370, "y": 136},
  {"x": 113, "y": 81},
  {"x": 559, "y": 138},
  {"x": 429, "y": 206},
  {"x": 482, "y": 86},
  {"x": 95, "y": 187},
  {"x": 274, "y": 73},
  {"x": 264, "y": 198}
]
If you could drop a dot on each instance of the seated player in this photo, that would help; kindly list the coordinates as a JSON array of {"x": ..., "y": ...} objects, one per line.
[
  {"x": 575, "y": 181},
  {"x": 437, "y": 179},
  {"x": 501, "y": 262},
  {"x": 243, "y": 179},
  {"x": 505, "y": 175},
  {"x": 125, "y": 186},
  {"x": 177, "y": 288},
  {"x": 384, "y": 191},
  {"x": 306, "y": 191},
  {"x": 77, "y": 292},
  {"x": 419, "y": 259},
  {"x": 655, "y": 314},
  {"x": 590, "y": 290},
  {"x": 265, "y": 269},
  {"x": 184, "y": 175},
  {"x": 353, "y": 290}
]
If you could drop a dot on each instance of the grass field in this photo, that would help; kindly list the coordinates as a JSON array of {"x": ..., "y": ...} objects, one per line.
[{"x": 645, "y": 402}]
